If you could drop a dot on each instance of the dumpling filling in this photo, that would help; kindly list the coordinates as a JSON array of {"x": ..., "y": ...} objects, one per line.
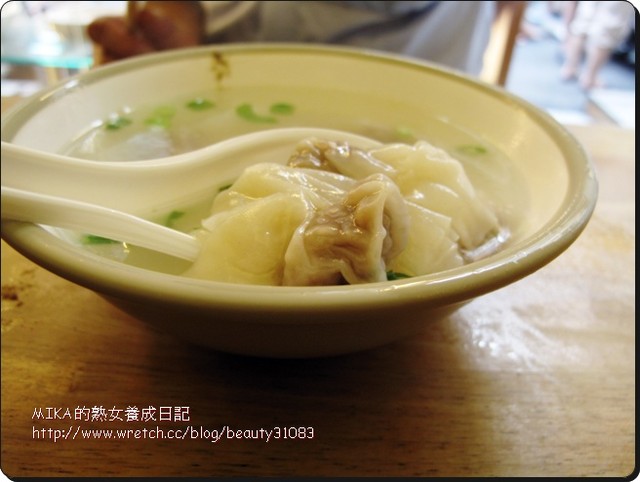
[
  {"x": 337, "y": 214},
  {"x": 351, "y": 240}
]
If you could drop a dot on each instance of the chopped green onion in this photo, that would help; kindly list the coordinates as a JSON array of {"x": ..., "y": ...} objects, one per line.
[
  {"x": 172, "y": 217},
  {"x": 158, "y": 122},
  {"x": 93, "y": 239},
  {"x": 200, "y": 104},
  {"x": 247, "y": 113},
  {"x": 161, "y": 117},
  {"x": 116, "y": 123},
  {"x": 392, "y": 275},
  {"x": 281, "y": 108},
  {"x": 472, "y": 149},
  {"x": 404, "y": 132}
]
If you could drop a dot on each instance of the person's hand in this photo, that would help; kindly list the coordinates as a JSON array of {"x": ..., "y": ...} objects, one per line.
[{"x": 160, "y": 25}]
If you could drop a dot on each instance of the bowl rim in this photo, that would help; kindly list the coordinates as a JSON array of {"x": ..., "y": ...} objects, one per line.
[{"x": 439, "y": 289}]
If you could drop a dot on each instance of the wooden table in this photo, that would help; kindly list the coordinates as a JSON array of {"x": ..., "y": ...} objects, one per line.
[{"x": 534, "y": 379}]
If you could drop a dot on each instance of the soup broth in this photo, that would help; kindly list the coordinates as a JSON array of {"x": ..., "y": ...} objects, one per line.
[{"x": 202, "y": 118}]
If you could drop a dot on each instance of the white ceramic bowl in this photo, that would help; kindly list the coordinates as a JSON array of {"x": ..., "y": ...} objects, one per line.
[{"x": 379, "y": 95}]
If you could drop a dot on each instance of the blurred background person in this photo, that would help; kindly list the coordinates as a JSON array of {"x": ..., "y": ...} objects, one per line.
[
  {"x": 453, "y": 34},
  {"x": 595, "y": 30}
]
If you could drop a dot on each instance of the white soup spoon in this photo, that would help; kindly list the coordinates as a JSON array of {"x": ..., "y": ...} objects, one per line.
[{"x": 110, "y": 199}]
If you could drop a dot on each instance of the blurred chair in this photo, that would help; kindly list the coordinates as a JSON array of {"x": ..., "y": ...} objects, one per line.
[{"x": 504, "y": 33}]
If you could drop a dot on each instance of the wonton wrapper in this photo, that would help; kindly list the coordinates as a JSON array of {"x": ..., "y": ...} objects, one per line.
[
  {"x": 430, "y": 177},
  {"x": 247, "y": 244},
  {"x": 337, "y": 214},
  {"x": 350, "y": 240}
]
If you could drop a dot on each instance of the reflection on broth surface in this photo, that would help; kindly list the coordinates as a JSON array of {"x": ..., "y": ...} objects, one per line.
[{"x": 204, "y": 118}]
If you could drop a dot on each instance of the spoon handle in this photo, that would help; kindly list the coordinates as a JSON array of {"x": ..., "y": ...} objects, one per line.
[{"x": 27, "y": 206}]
